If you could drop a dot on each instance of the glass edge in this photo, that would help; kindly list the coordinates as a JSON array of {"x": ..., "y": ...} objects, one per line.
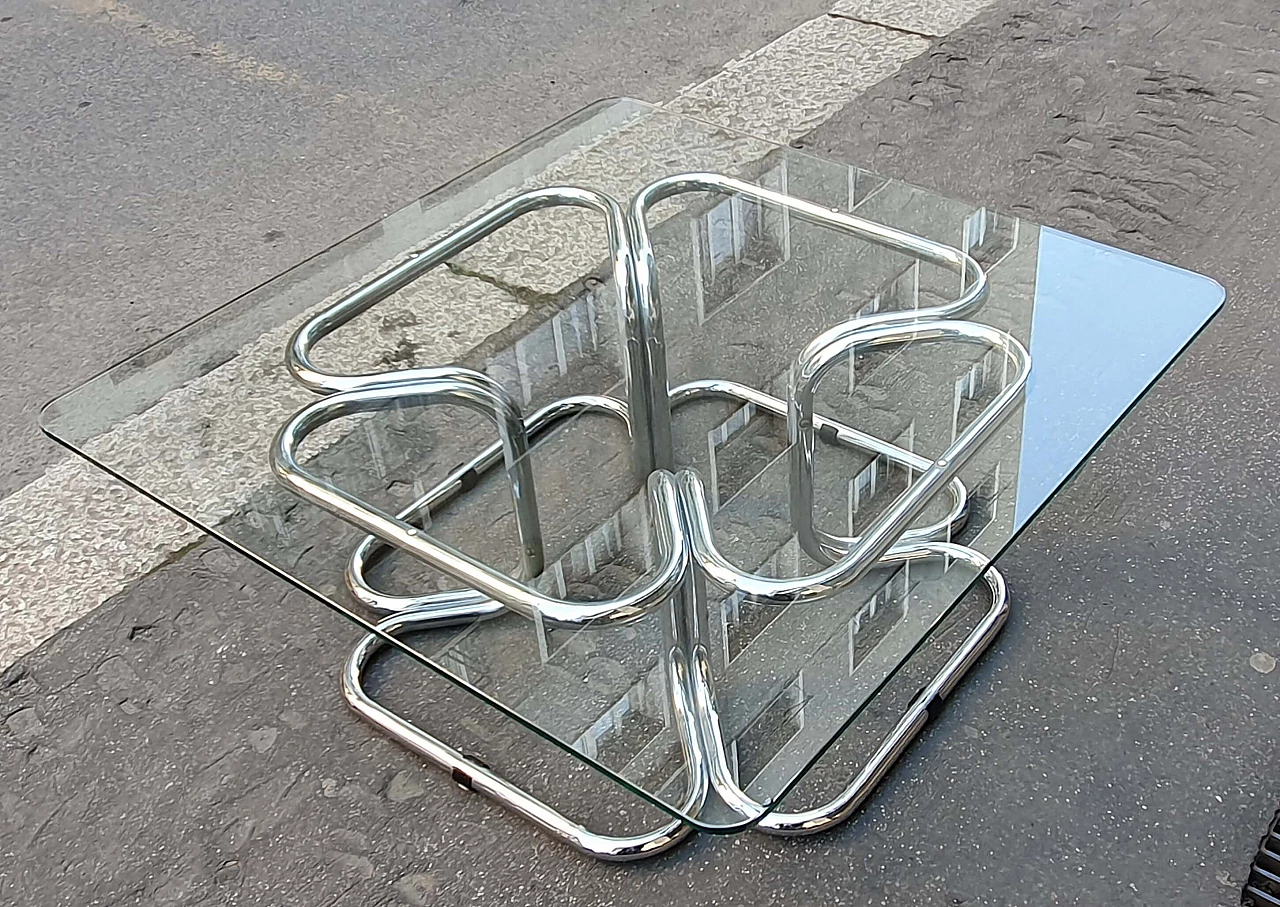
[
  {"x": 414, "y": 654},
  {"x": 801, "y": 152},
  {"x": 1009, "y": 542},
  {"x": 473, "y": 171},
  {"x": 453, "y": 181},
  {"x": 401, "y": 646},
  {"x": 1221, "y": 291}
]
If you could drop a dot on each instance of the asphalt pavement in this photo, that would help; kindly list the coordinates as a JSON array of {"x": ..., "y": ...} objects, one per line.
[
  {"x": 185, "y": 743},
  {"x": 163, "y": 158}
]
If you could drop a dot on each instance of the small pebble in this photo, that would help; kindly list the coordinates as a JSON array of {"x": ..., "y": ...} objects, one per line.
[
  {"x": 25, "y": 725},
  {"x": 1262, "y": 662},
  {"x": 418, "y": 889},
  {"x": 405, "y": 786},
  {"x": 263, "y": 739}
]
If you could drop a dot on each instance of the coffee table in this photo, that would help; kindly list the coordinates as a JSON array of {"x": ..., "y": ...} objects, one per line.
[{"x": 685, "y": 451}]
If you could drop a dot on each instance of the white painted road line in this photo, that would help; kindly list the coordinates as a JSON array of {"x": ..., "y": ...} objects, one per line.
[
  {"x": 73, "y": 538},
  {"x": 793, "y": 85},
  {"x": 780, "y": 92},
  {"x": 558, "y": 246},
  {"x": 922, "y": 17}
]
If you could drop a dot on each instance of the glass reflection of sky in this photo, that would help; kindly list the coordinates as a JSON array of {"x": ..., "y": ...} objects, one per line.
[{"x": 1105, "y": 324}]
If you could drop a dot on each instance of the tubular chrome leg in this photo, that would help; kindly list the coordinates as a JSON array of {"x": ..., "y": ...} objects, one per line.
[
  {"x": 652, "y": 441},
  {"x": 887, "y": 529},
  {"x": 462, "y": 604},
  {"x": 822, "y": 353},
  {"x": 465, "y": 604},
  {"x": 701, "y": 694},
  {"x": 673, "y": 542},
  {"x": 476, "y": 777},
  {"x": 922, "y": 709}
]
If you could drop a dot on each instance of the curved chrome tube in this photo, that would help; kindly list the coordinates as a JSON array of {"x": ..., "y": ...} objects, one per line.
[
  {"x": 831, "y": 347},
  {"x": 922, "y": 708},
  {"x": 843, "y": 435},
  {"x": 949, "y": 257},
  {"x": 665, "y": 507},
  {"x": 513, "y": 443},
  {"x": 890, "y": 525},
  {"x": 298, "y": 355},
  {"x": 461, "y": 605},
  {"x": 700, "y": 693},
  {"x": 646, "y": 347},
  {"x": 476, "y": 777}
]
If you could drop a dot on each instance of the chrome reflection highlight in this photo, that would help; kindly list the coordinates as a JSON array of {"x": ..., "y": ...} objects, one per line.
[
  {"x": 474, "y": 776},
  {"x": 689, "y": 558}
]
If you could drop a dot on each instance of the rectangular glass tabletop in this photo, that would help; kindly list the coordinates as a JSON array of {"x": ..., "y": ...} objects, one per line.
[{"x": 746, "y": 284}]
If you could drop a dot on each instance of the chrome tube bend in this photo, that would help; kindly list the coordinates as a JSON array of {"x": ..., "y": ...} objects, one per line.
[
  {"x": 974, "y": 278},
  {"x": 646, "y": 346},
  {"x": 463, "y": 605},
  {"x": 479, "y": 778},
  {"x": 700, "y": 692},
  {"x": 673, "y": 543},
  {"x": 298, "y": 355},
  {"x": 918, "y": 715},
  {"x": 885, "y": 531}
]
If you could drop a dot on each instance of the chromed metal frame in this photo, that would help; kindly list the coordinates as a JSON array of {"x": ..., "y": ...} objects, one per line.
[
  {"x": 862, "y": 553},
  {"x": 549, "y": 417},
  {"x": 299, "y": 354},
  {"x": 462, "y": 604},
  {"x": 653, "y": 440},
  {"x": 922, "y": 708},
  {"x": 688, "y": 554},
  {"x": 673, "y": 543},
  {"x": 474, "y": 776},
  {"x": 705, "y": 752}
]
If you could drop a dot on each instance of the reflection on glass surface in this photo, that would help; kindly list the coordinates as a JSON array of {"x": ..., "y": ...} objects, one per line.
[
  {"x": 745, "y": 287},
  {"x": 1105, "y": 323}
]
